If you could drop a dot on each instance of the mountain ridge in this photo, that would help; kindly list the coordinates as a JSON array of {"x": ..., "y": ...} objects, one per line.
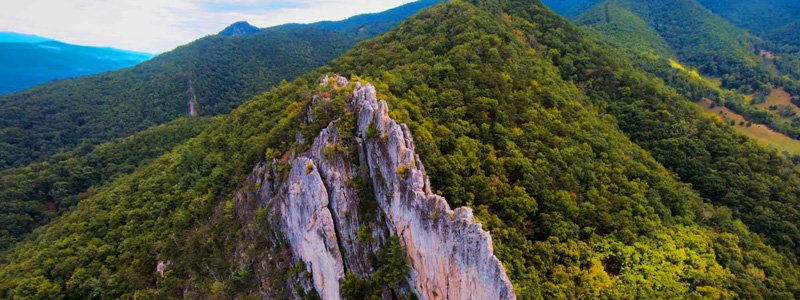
[
  {"x": 219, "y": 72},
  {"x": 575, "y": 207}
]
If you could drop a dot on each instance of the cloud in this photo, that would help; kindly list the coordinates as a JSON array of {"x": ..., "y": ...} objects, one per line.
[{"x": 160, "y": 25}]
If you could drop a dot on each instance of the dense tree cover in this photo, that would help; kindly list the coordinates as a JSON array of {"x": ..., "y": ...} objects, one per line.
[
  {"x": 757, "y": 16},
  {"x": 239, "y": 29},
  {"x": 31, "y": 196},
  {"x": 788, "y": 34},
  {"x": 570, "y": 8},
  {"x": 757, "y": 184},
  {"x": 378, "y": 22},
  {"x": 760, "y": 191},
  {"x": 35, "y": 60},
  {"x": 621, "y": 28},
  {"x": 215, "y": 74},
  {"x": 575, "y": 208},
  {"x": 696, "y": 37}
]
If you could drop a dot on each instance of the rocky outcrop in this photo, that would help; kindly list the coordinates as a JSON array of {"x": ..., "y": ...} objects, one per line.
[
  {"x": 308, "y": 225},
  {"x": 316, "y": 209},
  {"x": 451, "y": 256},
  {"x": 192, "y": 99}
]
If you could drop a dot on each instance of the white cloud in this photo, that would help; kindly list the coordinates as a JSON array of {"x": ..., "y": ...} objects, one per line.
[{"x": 161, "y": 25}]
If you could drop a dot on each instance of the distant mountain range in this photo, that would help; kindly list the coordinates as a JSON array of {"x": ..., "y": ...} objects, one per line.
[{"x": 27, "y": 60}]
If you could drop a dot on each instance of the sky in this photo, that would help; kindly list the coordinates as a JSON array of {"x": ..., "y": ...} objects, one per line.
[{"x": 156, "y": 26}]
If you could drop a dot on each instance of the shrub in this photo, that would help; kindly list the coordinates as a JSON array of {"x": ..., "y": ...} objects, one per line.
[
  {"x": 309, "y": 168},
  {"x": 402, "y": 171}
]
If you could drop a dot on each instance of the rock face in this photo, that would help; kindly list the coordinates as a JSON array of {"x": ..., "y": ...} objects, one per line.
[
  {"x": 451, "y": 256},
  {"x": 308, "y": 225},
  {"x": 316, "y": 209}
]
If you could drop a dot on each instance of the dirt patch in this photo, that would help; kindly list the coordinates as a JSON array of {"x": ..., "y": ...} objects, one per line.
[
  {"x": 777, "y": 101},
  {"x": 759, "y": 133},
  {"x": 766, "y": 54}
]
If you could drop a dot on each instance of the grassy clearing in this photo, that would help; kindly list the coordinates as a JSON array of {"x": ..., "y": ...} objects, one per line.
[
  {"x": 759, "y": 133},
  {"x": 675, "y": 64},
  {"x": 781, "y": 98}
]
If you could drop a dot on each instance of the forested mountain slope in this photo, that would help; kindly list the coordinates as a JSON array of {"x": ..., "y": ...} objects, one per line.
[
  {"x": 758, "y": 185},
  {"x": 788, "y": 35},
  {"x": 703, "y": 56},
  {"x": 758, "y": 16},
  {"x": 570, "y": 8},
  {"x": 696, "y": 36},
  {"x": 513, "y": 112},
  {"x": 208, "y": 77},
  {"x": 32, "y": 195}
]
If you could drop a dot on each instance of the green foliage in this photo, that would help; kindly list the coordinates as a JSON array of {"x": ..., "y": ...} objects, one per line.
[
  {"x": 309, "y": 168},
  {"x": 354, "y": 288},
  {"x": 757, "y": 16},
  {"x": 31, "y": 196},
  {"x": 217, "y": 72},
  {"x": 391, "y": 267},
  {"x": 402, "y": 171},
  {"x": 490, "y": 91},
  {"x": 690, "y": 33},
  {"x": 372, "y": 132},
  {"x": 666, "y": 124}
]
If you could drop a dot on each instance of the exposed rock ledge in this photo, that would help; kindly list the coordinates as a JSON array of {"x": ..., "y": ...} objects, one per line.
[{"x": 450, "y": 255}]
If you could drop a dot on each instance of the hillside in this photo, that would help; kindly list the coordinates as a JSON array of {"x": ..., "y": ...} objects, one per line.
[
  {"x": 30, "y": 60},
  {"x": 697, "y": 37},
  {"x": 570, "y": 8},
  {"x": 552, "y": 153},
  {"x": 707, "y": 71},
  {"x": 32, "y": 195},
  {"x": 757, "y": 16},
  {"x": 787, "y": 34},
  {"x": 207, "y": 77},
  {"x": 702, "y": 151}
]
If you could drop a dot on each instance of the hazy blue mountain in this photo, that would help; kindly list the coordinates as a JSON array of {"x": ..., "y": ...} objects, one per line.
[
  {"x": 13, "y": 37},
  {"x": 27, "y": 60}
]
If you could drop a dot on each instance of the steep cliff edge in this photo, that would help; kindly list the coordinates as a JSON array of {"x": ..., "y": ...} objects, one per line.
[{"x": 314, "y": 205}]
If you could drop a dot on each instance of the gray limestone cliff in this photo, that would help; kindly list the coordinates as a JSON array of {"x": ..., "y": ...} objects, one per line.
[{"x": 316, "y": 219}]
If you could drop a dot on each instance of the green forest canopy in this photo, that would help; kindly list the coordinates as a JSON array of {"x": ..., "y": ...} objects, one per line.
[{"x": 575, "y": 207}]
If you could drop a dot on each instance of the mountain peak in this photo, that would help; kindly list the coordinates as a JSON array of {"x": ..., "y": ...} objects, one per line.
[{"x": 240, "y": 28}]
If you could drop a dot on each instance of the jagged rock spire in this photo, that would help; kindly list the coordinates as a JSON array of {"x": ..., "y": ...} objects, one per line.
[{"x": 449, "y": 254}]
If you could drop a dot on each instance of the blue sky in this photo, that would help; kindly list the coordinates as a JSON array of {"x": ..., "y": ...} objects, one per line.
[{"x": 157, "y": 26}]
